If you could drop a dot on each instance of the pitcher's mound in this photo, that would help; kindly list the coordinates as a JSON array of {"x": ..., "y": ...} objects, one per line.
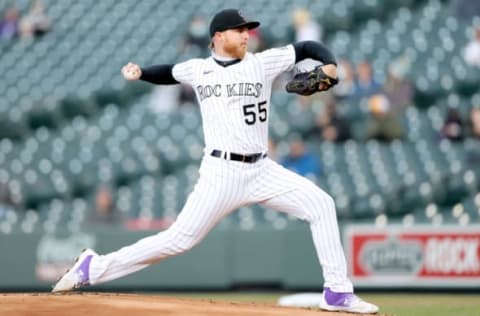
[{"x": 111, "y": 304}]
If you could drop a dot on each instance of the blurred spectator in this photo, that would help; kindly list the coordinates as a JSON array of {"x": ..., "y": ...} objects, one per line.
[
  {"x": 105, "y": 211},
  {"x": 272, "y": 149},
  {"x": 5, "y": 197},
  {"x": 330, "y": 126},
  {"x": 471, "y": 53},
  {"x": 453, "y": 127},
  {"x": 474, "y": 123},
  {"x": 397, "y": 88},
  {"x": 302, "y": 161},
  {"x": 36, "y": 22},
  {"x": 467, "y": 9},
  {"x": 303, "y": 27},
  {"x": 9, "y": 24},
  {"x": 384, "y": 123},
  {"x": 6, "y": 200},
  {"x": 346, "y": 84},
  {"x": 365, "y": 85},
  {"x": 472, "y": 146},
  {"x": 388, "y": 108},
  {"x": 186, "y": 95},
  {"x": 197, "y": 36},
  {"x": 164, "y": 98}
]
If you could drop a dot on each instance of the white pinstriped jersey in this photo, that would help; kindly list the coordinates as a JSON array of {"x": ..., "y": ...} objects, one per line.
[{"x": 235, "y": 100}]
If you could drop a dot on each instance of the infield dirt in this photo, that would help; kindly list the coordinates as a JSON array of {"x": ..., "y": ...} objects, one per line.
[{"x": 112, "y": 304}]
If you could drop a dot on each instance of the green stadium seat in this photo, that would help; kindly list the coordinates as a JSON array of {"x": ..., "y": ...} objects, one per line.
[
  {"x": 72, "y": 106},
  {"x": 101, "y": 129}
]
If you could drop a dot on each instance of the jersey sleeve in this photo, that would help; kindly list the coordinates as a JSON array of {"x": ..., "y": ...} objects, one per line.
[
  {"x": 185, "y": 72},
  {"x": 277, "y": 60}
]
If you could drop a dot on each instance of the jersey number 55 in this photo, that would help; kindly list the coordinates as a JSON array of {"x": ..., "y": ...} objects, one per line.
[{"x": 251, "y": 114}]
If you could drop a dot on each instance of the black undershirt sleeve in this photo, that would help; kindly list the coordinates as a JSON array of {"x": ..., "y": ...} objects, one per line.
[
  {"x": 313, "y": 50},
  {"x": 158, "y": 74}
]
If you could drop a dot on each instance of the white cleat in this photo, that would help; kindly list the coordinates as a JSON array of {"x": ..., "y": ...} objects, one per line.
[
  {"x": 78, "y": 275},
  {"x": 346, "y": 302}
]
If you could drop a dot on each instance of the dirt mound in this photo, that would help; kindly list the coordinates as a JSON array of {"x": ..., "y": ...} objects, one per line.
[{"x": 111, "y": 304}]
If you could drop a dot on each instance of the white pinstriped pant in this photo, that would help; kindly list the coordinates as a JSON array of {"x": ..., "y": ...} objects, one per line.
[{"x": 223, "y": 187}]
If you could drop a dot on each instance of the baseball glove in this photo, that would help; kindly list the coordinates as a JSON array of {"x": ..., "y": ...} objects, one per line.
[{"x": 308, "y": 83}]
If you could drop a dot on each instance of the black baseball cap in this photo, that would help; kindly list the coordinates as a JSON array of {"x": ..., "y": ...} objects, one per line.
[{"x": 230, "y": 19}]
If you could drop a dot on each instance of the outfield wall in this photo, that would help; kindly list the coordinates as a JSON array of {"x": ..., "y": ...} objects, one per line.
[
  {"x": 392, "y": 257},
  {"x": 225, "y": 259}
]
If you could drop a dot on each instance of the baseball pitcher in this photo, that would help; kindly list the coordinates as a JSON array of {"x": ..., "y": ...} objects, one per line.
[{"x": 233, "y": 88}]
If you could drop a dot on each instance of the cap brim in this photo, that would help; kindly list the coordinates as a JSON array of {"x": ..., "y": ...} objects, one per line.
[{"x": 249, "y": 25}]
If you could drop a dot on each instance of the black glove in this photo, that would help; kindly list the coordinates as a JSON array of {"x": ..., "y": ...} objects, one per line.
[{"x": 307, "y": 83}]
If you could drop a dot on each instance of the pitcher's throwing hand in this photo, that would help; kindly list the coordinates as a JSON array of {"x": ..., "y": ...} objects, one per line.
[{"x": 131, "y": 72}]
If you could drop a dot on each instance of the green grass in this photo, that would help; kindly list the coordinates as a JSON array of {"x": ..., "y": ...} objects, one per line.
[
  {"x": 423, "y": 304},
  {"x": 391, "y": 304}
]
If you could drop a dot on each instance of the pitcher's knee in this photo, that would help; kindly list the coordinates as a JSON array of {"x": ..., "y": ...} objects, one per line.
[
  {"x": 324, "y": 205},
  {"x": 180, "y": 242},
  {"x": 330, "y": 203}
]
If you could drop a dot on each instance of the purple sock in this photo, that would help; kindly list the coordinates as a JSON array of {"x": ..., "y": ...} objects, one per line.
[{"x": 336, "y": 299}]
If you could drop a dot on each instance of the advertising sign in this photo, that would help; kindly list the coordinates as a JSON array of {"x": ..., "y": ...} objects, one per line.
[{"x": 421, "y": 256}]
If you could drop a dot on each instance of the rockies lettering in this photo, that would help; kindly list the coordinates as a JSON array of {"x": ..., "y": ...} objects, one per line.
[
  {"x": 230, "y": 90},
  {"x": 208, "y": 91}
]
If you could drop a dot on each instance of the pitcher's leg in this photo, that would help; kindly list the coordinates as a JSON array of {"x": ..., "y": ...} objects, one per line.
[
  {"x": 306, "y": 201},
  {"x": 206, "y": 205}
]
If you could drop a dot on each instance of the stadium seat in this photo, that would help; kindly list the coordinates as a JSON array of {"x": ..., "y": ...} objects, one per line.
[{"x": 73, "y": 122}]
